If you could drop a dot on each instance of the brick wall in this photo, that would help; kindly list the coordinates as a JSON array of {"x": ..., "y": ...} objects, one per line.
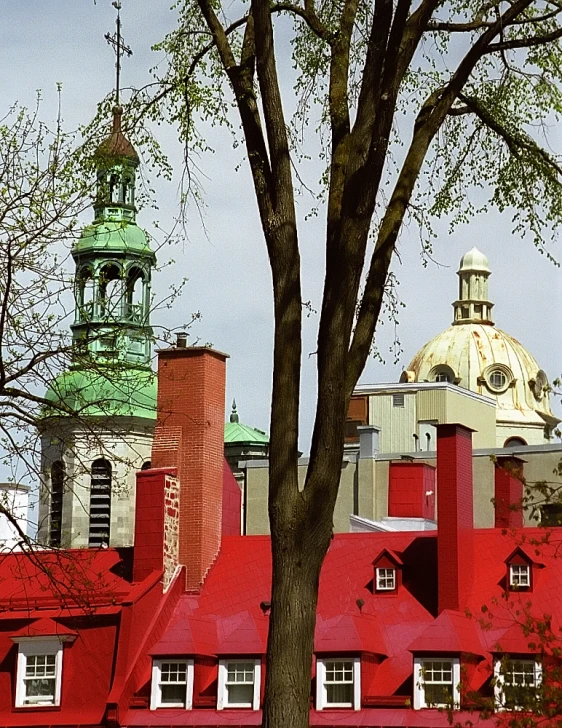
[
  {"x": 190, "y": 436},
  {"x": 455, "y": 553}
]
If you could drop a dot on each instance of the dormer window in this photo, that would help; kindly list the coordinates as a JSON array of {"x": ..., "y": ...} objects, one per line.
[
  {"x": 521, "y": 570},
  {"x": 239, "y": 684},
  {"x": 338, "y": 683},
  {"x": 516, "y": 683},
  {"x": 436, "y": 682},
  {"x": 172, "y": 684},
  {"x": 386, "y": 579},
  {"x": 39, "y": 673},
  {"x": 519, "y": 575},
  {"x": 387, "y": 572},
  {"x": 39, "y": 663}
]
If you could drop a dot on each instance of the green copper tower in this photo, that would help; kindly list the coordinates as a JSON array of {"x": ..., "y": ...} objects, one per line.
[
  {"x": 114, "y": 263},
  {"x": 110, "y": 374}
]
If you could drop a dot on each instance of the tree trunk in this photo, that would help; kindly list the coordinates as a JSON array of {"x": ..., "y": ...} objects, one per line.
[{"x": 297, "y": 562}]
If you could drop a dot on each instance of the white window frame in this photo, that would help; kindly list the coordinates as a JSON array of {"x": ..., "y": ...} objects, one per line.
[
  {"x": 519, "y": 584},
  {"x": 222, "y": 695},
  {"x": 383, "y": 577},
  {"x": 34, "y": 647},
  {"x": 499, "y": 679},
  {"x": 156, "y": 686},
  {"x": 419, "y": 689},
  {"x": 322, "y": 693}
]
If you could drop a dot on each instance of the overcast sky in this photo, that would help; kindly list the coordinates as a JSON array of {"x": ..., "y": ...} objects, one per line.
[{"x": 43, "y": 42}]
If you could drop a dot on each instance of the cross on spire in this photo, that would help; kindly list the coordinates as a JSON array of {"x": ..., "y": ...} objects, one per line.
[{"x": 118, "y": 45}]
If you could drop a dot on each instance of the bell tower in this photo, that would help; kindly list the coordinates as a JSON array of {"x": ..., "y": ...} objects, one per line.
[
  {"x": 98, "y": 431},
  {"x": 114, "y": 263}
]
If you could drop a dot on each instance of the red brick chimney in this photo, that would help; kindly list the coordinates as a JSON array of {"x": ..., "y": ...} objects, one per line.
[
  {"x": 508, "y": 496},
  {"x": 189, "y": 436},
  {"x": 455, "y": 520}
]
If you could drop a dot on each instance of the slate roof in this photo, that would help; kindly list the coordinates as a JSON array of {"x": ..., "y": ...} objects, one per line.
[{"x": 225, "y": 618}]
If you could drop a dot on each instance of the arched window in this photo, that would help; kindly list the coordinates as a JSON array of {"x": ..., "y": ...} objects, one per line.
[
  {"x": 442, "y": 373},
  {"x": 135, "y": 296},
  {"x": 85, "y": 294},
  {"x": 146, "y": 465},
  {"x": 111, "y": 291},
  {"x": 128, "y": 190},
  {"x": 114, "y": 189},
  {"x": 57, "y": 489},
  {"x": 514, "y": 442},
  {"x": 100, "y": 503}
]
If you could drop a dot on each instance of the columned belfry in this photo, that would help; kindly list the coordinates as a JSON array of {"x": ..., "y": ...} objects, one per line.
[
  {"x": 114, "y": 262},
  {"x": 473, "y": 305},
  {"x": 99, "y": 430}
]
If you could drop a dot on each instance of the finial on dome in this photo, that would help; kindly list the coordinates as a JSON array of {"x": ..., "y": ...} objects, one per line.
[
  {"x": 117, "y": 114},
  {"x": 234, "y": 414},
  {"x": 119, "y": 46},
  {"x": 473, "y": 306}
]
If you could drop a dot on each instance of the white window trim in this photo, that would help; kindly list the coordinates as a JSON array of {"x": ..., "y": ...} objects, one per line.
[
  {"x": 499, "y": 679},
  {"x": 156, "y": 690},
  {"x": 419, "y": 691},
  {"x": 29, "y": 648},
  {"x": 321, "y": 692},
  {"x": 222, "y": 695},
  {"x": 379, "y": 578},
  {"x": 512, "y": 582}
]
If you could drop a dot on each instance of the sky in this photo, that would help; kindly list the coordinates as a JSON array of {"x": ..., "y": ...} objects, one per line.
[{"x": 223, "y": 254}]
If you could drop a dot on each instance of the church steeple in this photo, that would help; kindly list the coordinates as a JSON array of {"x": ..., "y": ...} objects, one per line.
[
  {"x": 113, "y": 258},
  {"x": 114, "y": 263},
  {"x": 473, "y": 305}
]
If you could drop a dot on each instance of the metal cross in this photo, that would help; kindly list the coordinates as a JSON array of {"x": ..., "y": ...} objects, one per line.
[{"x": 118, "y": 45}]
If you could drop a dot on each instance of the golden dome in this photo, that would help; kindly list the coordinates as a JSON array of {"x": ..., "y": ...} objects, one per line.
[{"x": 476, "y": 355}]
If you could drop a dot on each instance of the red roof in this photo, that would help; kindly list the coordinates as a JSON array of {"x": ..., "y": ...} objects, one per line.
[
  {"x": 450, "y": 632},
  {"x": 44, "y": 628}
]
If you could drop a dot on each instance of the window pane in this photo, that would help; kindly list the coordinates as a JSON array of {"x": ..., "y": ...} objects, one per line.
[
  {"x": 240, "y": 672},
  {"x": 173, "y": 694},
  {"x": 342, "y": 693},
  {"x": 438, "y": 694},
  {"x": 173, "y": 672},
  {"x": 240, "y": 694},
  {"x": 438, "y": 682}
]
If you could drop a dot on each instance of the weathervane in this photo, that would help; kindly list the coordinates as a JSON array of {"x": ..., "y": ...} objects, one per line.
[{"x": 118, "y": 45}]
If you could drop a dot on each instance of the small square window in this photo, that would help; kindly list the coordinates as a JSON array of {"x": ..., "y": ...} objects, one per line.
[
  {"x": 386, "y": 579},
  {"x": 398, "y": 400},
  {"x": 239, "y": 684},
  {"x": 338, "y": 683},
  {"x": 39, "y": 672},
  {"x": 436, "y": 683},
  {"x": 519, "y": 575},
  {"x": 172, "y": 684}
]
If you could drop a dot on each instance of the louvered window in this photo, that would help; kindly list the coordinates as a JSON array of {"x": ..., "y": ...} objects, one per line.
[
  {"x": 100, "y": 503},
  {"x": 57, "y": 487}
]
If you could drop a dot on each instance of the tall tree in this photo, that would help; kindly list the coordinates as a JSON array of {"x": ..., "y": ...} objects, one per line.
[
  {"x": 42, "y": 192},
  {"x": 460, "y": 91}
]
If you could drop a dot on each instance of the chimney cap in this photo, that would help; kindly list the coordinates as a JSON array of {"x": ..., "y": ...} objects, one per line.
[{"x": 181, "y": 339}]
